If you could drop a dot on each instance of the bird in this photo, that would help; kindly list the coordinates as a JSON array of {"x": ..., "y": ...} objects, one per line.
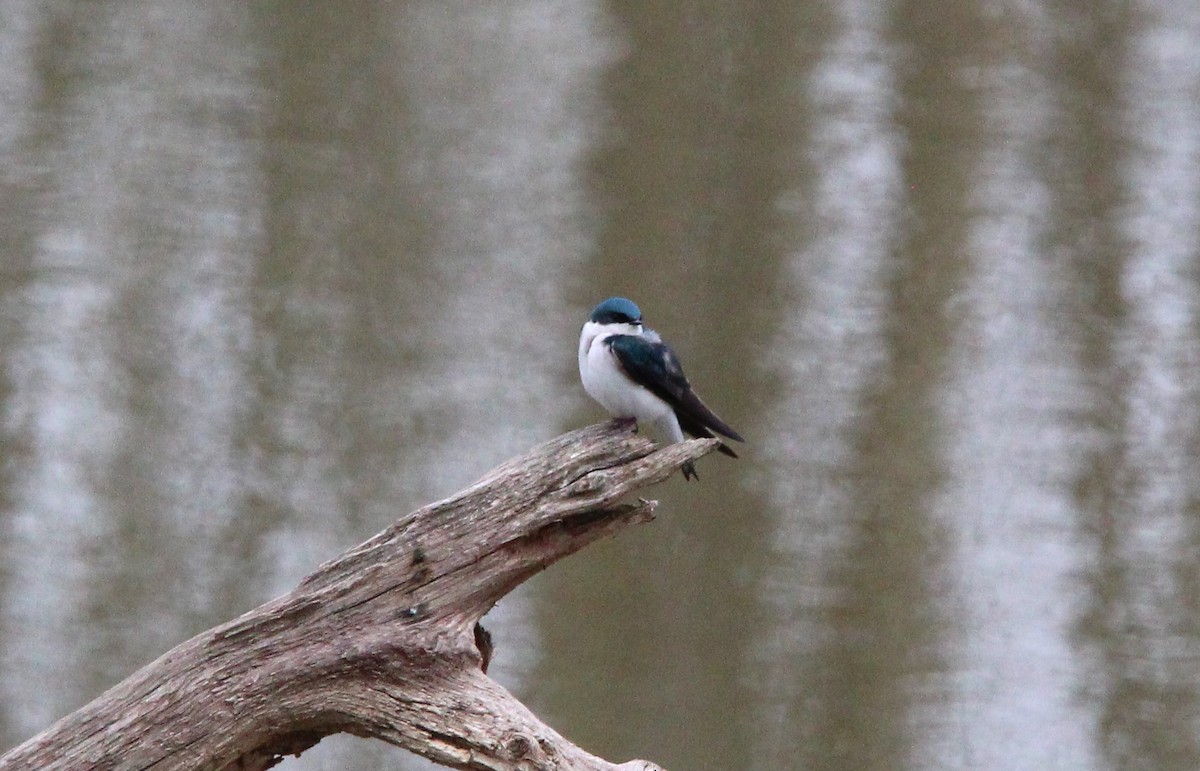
[{"x": 632, "y": 373}]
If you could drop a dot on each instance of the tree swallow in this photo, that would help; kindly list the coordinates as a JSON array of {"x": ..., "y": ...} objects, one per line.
[{"x": 633, "y": 374}]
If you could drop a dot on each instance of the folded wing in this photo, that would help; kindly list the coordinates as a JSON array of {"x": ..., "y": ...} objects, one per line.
[{"x": 653, "y": 365}]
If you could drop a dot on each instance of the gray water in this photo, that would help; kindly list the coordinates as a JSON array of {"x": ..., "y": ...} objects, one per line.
[{"x": 273, "y": 274}]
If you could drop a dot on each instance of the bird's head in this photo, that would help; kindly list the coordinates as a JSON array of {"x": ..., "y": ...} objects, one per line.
[{"x": 617, "y": 310}]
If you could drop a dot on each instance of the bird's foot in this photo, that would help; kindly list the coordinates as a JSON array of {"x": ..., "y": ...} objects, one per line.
[
  {"x": 626, "y": 423},
  {"x": 689, "y": 471}
]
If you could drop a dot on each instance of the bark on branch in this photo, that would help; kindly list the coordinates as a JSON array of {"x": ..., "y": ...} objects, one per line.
[{"x": 383, "y": 641}]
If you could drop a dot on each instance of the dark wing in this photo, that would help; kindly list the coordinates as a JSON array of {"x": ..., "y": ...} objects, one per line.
[{"x": 655, "y": 367}]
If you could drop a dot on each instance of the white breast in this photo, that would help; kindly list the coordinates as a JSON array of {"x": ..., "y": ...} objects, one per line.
[{"x": 607, "y": 384}]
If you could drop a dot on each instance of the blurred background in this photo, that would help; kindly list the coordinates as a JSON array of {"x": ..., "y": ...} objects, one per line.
[{"x": 274, "y": 274}]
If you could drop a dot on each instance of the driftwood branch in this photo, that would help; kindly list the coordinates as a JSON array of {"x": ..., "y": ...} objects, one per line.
[{"x": 383, "y": 641}]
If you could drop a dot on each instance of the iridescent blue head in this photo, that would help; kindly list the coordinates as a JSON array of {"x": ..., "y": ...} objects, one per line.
[{"x": 617, "y": 310}]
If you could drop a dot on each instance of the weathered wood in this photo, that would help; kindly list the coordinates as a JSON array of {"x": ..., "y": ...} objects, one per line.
[{"x": 383, "y": 641}]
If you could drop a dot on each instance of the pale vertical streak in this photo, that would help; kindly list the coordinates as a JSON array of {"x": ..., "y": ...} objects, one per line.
[
  {"x": 62, "y": 406},
  {"x": 70, "y": 387},
  {"x": 1160, "y": 358},
  {"x": 1012, "y": 451},
  {"x": 826, "y": 355},
  {"x": 506, "y": 100},
  {"x": 508, "y": 181},
  {"x": 195, "y": 181},
  {"x": 61, "y": 414}
]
